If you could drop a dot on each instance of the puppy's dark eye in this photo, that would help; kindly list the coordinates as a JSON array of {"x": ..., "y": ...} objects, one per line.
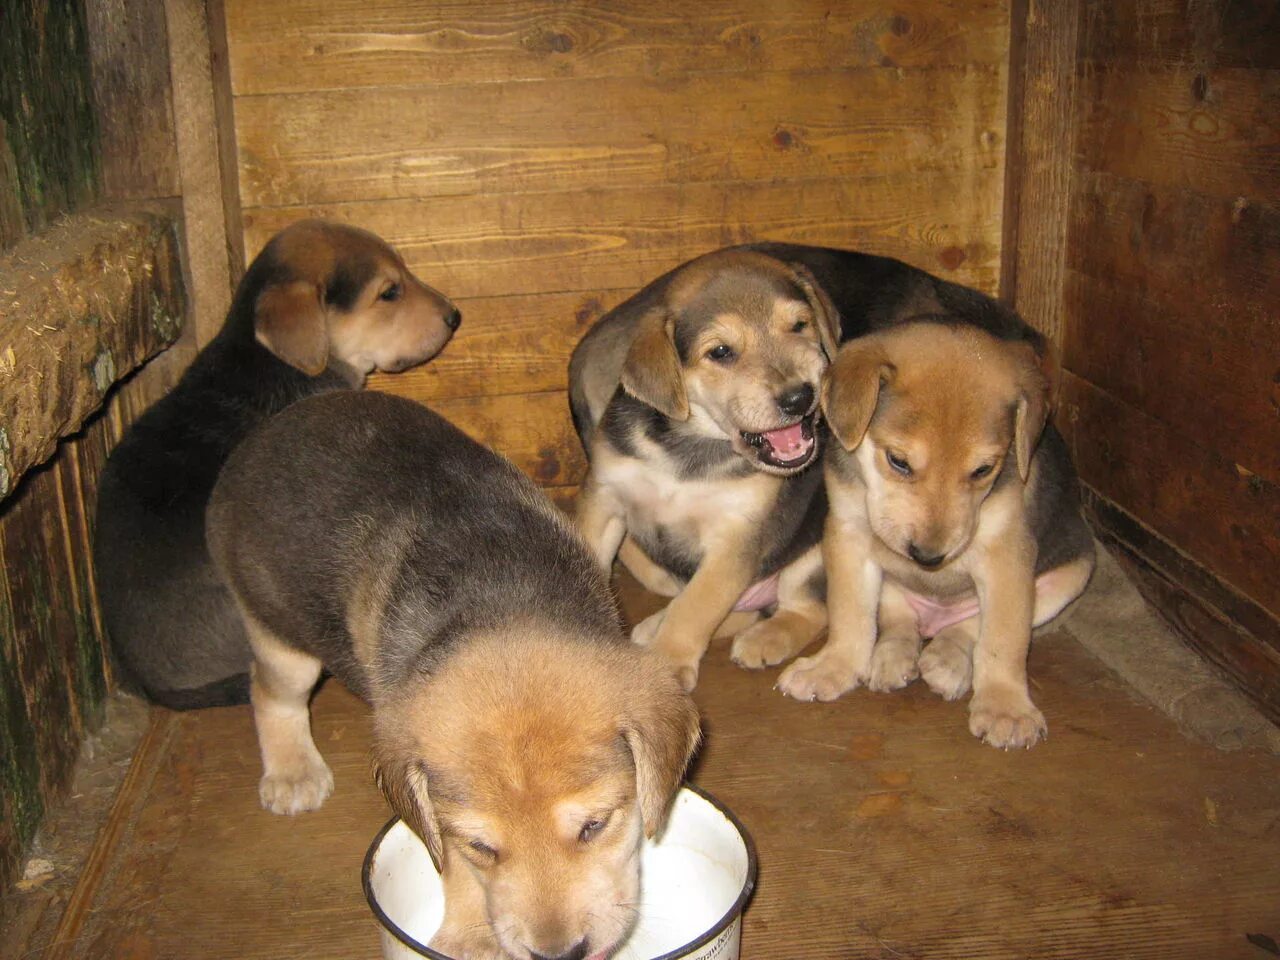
[
  {"x": 721, "y": 354},
  {"x": 899, "y": 464},
  {"x": 482, "y": 848},
  {"x": 391, "y": 293},
  {"x": 590, "y": 830},
  {"x": 800, "y": 325},
  {"x": 982, "y": 471}
]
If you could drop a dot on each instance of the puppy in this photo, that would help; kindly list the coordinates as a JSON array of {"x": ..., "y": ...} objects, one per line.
[
  {"x": 697, "y": 403},
  {"x": 319, "y": 308},
  {"x": 516, "y": 730},
  {"x": 954, "y": 515}
]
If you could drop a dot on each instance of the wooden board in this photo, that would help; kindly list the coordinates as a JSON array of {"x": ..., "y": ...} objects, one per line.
[
  {"x": 1226, "y": 628},
  {"x": 1173, "y": 33},
  {"x": 1211, "y": 131},
  {"x": 432, "y": 141},
  {"x": 884, "y": 830},
  {"x": 1219, "y": 513},
  {"x": 619, "y": 238},
  {"x": 307, "y": 45}
]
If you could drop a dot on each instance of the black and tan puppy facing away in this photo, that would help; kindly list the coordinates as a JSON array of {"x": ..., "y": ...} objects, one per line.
[
  {"x": 320, "y": 307},
  {"x": 515, "y": 728},
  {"x": 697, "y": 401},
  {"x": 954, "y": 515}
]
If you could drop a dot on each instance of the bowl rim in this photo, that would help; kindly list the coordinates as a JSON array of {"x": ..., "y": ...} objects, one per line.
[{"x": 734, "y": 912}]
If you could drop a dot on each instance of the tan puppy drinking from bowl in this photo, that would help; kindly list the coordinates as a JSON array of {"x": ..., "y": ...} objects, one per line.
[
  {"x": 954, "y": 515},
  {"x": 525, "y": 740}
]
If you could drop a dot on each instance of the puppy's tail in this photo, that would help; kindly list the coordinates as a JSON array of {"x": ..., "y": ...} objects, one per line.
[{"x": 227, "y": 692}]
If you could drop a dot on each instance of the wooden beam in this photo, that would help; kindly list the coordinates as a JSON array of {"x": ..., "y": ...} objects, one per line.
[
  {"x": 208, "y": 265},
  {"x": 84, "y": 303},
  {"x": 1038, "y": 172}
]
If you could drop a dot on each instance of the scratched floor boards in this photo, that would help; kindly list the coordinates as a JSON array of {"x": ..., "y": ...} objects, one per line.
[{"x": 884, "y": 830}]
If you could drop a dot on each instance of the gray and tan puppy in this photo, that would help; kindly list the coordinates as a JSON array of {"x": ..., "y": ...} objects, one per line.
[
  {"x": 516, "y": 730},
  {"x": 953, "y": 515},
  {"x": 697, "y": 402}
]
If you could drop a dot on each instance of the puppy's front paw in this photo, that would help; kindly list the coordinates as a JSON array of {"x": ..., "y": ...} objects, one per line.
[
  {"x": 297, "y": 788},
  {"x": 646, "y": 631},
  {"x": 764, "y": 644},
  {"x": 893, "y": 665},
  {"x": 947, "y": 669},
  {"x": 1004, "y": 717},
  {"x": 819, "y": 678}
]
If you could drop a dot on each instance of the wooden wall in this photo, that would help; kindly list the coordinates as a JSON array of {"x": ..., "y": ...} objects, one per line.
[
  {"x": 1166, "y": 286},
  {"x": 539, "y": 161}
]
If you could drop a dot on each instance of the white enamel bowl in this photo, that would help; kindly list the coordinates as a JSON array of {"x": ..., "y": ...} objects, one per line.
[{"x": 695, "y": 883}]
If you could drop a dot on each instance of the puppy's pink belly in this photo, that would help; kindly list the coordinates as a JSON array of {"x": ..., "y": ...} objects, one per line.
[
  {"x": 933, "y": 616},
  {"x": 763, "y": 593}
]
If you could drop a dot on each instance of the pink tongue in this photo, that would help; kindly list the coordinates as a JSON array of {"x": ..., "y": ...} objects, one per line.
[{"x": 787, "y": 442}]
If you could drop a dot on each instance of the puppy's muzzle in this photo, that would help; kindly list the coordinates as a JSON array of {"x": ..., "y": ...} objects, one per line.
[
  {"x": 793, "y": 446},
  {"x": 577, "y": 952},
  {"x": 453, "y": 319},
  {"x": 930, "y": 561}
]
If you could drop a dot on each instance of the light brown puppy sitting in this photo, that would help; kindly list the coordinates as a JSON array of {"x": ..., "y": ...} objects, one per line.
[
  {"x": 517, "y": 731},
  {"x": 954, "y": 514}
]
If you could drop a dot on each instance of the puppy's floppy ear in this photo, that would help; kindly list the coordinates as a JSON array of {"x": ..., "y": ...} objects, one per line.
[
  {"x": 1032, "y": 409},
  {"x": 825, "y": 314},
  {"x": 403, "y": 781},
  {"x": 289, "y": 320},
  {"x": 661, "y": 729},
  {"x": 851, "y": 389},
  {"x": 651, "y": 372}
]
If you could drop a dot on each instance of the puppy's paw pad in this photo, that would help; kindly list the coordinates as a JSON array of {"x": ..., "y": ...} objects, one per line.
[
  {"x": 298, "y": 792},
  {"x": 1006, "y": 721},
  {"x": 817, "y": 678},
  {"x": 893, "y": 666},
  {"x": 762, "y": 645},
  {"x": 947, "y": 670}
]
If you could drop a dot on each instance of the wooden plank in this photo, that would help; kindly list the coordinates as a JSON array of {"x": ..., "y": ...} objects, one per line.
[
  {"x": 1229, "y": 630},
  {"x": 49, "y": 157},
  {"x": 1039, "y": 168},
  {"x": 224, "y": 111},
  {"x": 204, "y": 228},
  {"x": 1192, "y": 36},
  {"x": 506, "y": 345},
  {"x": 1222, "y": 393},
  {"x": 85, "y": 303},
  {"x": 1213, "y": 131},
  {"x": 56, "y": 661},
  {"x": 133, "y": 100},
  {"x": 534, "y": 430},
  {"x": 306, "y": 45},
  {"x": 1217, "y": 258},
  {"x": 425, "y": 141},
  {"x": 1225, "y": 517},
  {"x": 593, "y": 240}
]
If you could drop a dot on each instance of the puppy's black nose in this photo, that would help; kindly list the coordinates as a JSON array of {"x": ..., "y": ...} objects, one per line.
[
  {"x": 796, "y": 401},
  {"x": 929, "y": 562},
  {"x": 453, "y": 319},
  {"x": 576, "y": 952}
]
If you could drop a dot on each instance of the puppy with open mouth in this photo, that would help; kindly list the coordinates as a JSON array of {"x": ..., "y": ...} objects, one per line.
[{"x": 697, "y": 401}]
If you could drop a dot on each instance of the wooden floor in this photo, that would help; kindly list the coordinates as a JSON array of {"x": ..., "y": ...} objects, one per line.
[{"x": 884, "y": 830}]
